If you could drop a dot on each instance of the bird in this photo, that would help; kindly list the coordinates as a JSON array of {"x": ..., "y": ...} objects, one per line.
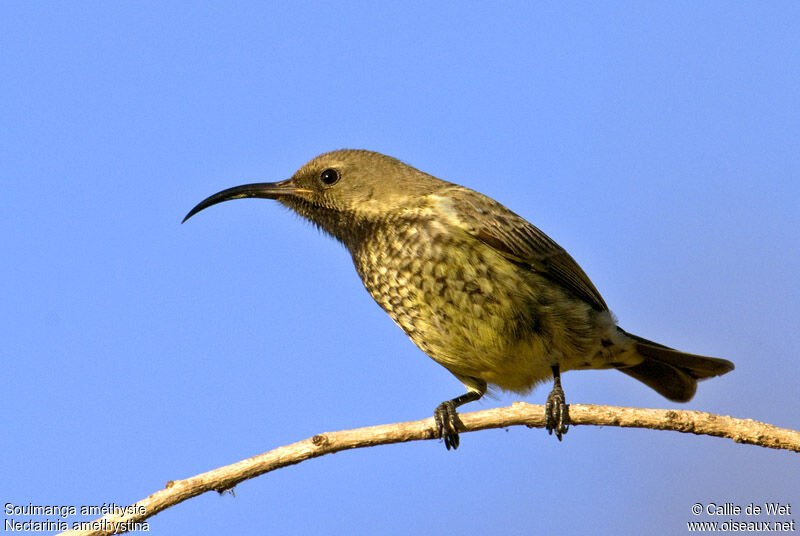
[{"x": 475, "y": 286}]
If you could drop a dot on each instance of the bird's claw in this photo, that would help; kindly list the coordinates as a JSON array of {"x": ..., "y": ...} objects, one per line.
[
  {"x": 447, "y": 423},
  {"x": 556, "y": 412}
]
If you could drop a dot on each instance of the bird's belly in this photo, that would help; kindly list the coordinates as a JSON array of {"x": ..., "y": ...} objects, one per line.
[{"x": 480, "y": 315}]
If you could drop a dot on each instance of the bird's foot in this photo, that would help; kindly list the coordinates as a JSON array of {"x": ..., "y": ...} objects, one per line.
[
  {"x": 556, "y": 412},
  {"x": 447, "y": 423}
]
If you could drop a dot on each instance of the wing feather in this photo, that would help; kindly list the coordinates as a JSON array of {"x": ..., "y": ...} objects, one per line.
[{"x": 523, "y": 243}]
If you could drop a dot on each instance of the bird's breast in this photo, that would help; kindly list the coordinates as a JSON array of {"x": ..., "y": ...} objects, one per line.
[{"x": 451, "y": 294}]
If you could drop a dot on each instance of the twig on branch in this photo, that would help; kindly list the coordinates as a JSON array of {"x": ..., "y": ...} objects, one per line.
[{"x": 520, "y": 413}]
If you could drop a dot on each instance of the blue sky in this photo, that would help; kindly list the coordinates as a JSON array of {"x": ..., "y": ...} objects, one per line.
[{"x": 657, "y": 143}]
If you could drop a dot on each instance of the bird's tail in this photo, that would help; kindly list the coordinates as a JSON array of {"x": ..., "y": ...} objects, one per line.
[{"x": 671, "y": 373}]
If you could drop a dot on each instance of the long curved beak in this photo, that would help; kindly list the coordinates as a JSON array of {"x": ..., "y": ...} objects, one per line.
[{"x": 264, "y": 190}]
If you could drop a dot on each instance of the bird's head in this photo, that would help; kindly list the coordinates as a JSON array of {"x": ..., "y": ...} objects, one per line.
[{"x": 341, "y": 189}]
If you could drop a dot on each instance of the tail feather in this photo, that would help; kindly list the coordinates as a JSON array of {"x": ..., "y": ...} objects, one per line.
[{"x": 672, "y": 373}]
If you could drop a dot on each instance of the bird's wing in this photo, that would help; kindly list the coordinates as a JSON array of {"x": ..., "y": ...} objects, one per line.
[{"x": 523, "y": 243}]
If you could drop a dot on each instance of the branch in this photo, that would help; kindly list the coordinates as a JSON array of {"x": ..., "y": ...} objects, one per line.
[{"x": 225, "y": 478}]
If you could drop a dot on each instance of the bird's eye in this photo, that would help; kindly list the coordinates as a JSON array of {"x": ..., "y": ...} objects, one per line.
[{"x": 329, "y": 177}]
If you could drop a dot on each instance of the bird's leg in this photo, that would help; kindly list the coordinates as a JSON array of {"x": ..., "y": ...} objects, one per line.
[
  {"x": 556, "y": 412},
  {"x": 447, "y": 419}
]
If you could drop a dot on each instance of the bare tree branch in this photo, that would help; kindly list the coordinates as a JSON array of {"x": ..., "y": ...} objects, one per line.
[{"x": 225, "y": 478}]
